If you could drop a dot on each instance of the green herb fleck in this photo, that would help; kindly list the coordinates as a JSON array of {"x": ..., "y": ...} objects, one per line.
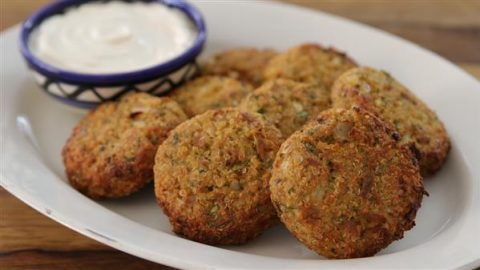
[
  {"x": 175, "y": 138},
  {"x": 213, "y": 211},
  {"x": 310, "y": 147},
  {"x": 311, "y": 131},
  {"x": 261, "y": 110},
  {"x": 381, "y": 169},
  {"x": 303, "y": 116},
  {"x": 379, "y": 102},
  {"x": 239, "y": 167},
  {"x": 268, "y": 163},
  {"x": 386, "y": 74},
  {"x": 216, "y": 105},
  {"x": 328, "y": 140}
]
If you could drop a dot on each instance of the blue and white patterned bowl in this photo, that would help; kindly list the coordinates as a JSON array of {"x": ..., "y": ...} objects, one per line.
[{"x": 88, "y": 90}]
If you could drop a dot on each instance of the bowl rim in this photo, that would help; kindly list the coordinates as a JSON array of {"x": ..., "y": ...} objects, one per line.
[{"x": 110, "y": 79}]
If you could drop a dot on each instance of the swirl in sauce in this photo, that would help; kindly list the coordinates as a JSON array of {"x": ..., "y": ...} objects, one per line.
[{"x": 113, "y": 37}]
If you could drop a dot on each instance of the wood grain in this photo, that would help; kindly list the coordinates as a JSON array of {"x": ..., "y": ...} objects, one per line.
[
  {"x": 29, "y": 240},
  {"x": 36, "y": 230}
]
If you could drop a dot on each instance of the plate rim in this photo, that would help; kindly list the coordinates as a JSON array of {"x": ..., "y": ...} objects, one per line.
[{"x": 40, "y": 206}]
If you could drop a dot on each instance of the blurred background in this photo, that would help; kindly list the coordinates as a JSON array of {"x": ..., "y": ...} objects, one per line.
[{"x": 28, "y": 240}]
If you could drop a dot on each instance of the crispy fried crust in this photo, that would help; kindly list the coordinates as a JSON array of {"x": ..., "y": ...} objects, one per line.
[
  {"x": 112, "y": 149},
  {"x": 418, "y": 125},
  {"x": 287, "y": 104},
  {"x": 211, "y": 176},
  {"x": 309, "y": 63},
  {"x": 244, "y": 64},
  {"x": 210, "y": 92},
  {"x": 344, "y": 186}
]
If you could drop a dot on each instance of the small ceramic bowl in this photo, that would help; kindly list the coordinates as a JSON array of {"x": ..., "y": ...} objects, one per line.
[{"x": 88, "y": 90}]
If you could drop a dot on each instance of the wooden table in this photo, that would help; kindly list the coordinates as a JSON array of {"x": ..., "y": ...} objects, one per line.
[{"x": 29, "y": 240}]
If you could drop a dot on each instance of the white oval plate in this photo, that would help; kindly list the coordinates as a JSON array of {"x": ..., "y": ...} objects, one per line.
[{"x": 34, "y": 129}]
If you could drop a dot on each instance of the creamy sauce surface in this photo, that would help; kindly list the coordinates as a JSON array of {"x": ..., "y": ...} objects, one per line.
[{"x": 112, "y": 37}]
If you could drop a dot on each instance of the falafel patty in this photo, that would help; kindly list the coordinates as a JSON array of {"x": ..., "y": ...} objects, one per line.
[
  {"x": 244, "y": 64},
  {"x": 211, "y": 176},
  {"x": 345, "y": 186},
  {"x": 380, "y": 93},
  {"x": 210, "y": 92},
  {"x": 309, "y": 63},
  {"x": 111, "y": 151},
  {"x": 287, "y": 104}
]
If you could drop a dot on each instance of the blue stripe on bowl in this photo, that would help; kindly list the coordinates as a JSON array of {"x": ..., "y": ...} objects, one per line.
[{"x": 115, "y": 79}]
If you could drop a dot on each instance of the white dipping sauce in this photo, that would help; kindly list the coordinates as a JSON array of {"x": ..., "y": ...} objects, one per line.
[{"x": 112, "y": 37}]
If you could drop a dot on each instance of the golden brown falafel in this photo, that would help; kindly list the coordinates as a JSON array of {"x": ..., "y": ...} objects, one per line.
[
  {"x": 345, "y": 186},
  {"x": 380, "y": 93},
  {"x": 244, "y": 64},
  {"x": 211, "y": 176},
  {"x": 210, "y": 92},
  {"x": 309, "y": 63},
  {"x": 287, "y": 104},
  {"x": 111, "y": 151}
]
